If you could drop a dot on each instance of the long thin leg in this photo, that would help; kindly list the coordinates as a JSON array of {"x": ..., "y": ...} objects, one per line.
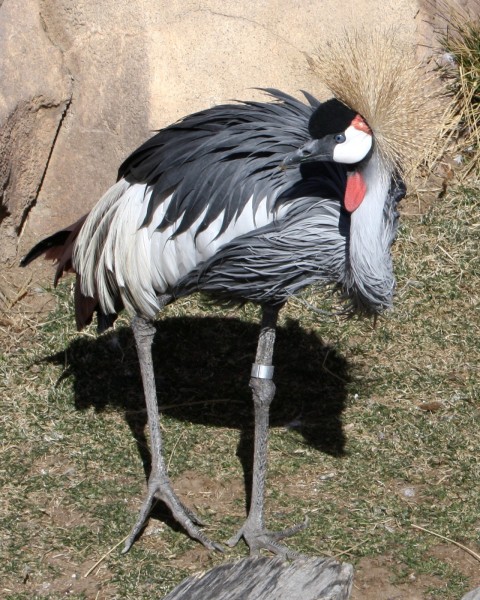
[
  {"x": 159, "y": 485},
  {"x": 263, "y": 390}
]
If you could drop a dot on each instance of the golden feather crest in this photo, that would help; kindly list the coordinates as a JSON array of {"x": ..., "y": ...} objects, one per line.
[{"x": 376, "y": 74}]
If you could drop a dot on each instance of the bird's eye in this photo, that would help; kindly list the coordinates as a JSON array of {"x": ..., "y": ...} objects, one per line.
[{"x": 339, "y": 138}]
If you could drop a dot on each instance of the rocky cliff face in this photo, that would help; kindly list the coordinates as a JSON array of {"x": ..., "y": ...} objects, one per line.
[
  {"x": 83, "y": 83},
  {"x": 36, "y": 92}
]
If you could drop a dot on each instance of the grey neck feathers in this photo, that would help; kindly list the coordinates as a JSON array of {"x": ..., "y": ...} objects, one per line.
[{"x": 370, "y": 281}]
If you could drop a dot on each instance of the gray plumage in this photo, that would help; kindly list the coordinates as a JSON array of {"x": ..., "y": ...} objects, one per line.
[
  {"x": 215, "y": 179},
  {"x": 309, "y": 246}
]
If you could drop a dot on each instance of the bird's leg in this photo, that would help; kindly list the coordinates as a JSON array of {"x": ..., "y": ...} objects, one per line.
[
  {"x": 159, "y": 485},
  {"x": 253, "y": 530}
]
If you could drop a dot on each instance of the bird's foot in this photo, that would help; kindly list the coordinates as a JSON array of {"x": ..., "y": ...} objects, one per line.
[
  {"x": 161, "y": 489},
  {"x": 258, "y": 538}
]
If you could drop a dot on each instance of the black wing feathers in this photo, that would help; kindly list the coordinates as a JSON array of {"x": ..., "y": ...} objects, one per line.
[{"x": 216, "y": 160}]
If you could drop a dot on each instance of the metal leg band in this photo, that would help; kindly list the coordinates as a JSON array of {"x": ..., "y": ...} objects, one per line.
[{"x": 262, "y": 371}]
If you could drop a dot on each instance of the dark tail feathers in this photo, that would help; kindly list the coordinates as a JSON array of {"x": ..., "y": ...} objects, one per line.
[
  {"x": 59, "y": 248},
  {"x": 45, "y": 247}
]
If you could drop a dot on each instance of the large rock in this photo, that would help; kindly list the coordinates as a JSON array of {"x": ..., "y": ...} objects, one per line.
[
  {"x": 34, "y": 96},
  {"x": 262, "y": 578}
]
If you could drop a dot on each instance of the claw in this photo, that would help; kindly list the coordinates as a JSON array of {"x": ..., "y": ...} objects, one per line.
[
  {"x": 192, "y": 515},
  {"x": 279, "y": 535},
  {"x": 258, "y": 538},
  {"x": 186, "y": 517}
]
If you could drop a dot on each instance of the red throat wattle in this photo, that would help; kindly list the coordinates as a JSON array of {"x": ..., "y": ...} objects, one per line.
[{"x": 355, "y": 191}]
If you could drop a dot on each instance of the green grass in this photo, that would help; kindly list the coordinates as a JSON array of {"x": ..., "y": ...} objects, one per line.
[{"x": 367, "y": 462}]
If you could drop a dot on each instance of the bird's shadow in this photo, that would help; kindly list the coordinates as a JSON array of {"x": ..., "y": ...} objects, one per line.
[{"x": 202, "y": 367}]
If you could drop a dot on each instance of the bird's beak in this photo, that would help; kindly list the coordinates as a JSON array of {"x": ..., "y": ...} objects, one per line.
[{"x": 313, "y": 150}]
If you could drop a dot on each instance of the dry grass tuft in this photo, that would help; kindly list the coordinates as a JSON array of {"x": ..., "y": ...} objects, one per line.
[
  {"x": 377, "y": 75},
  {"x": 460, "y": 67}
]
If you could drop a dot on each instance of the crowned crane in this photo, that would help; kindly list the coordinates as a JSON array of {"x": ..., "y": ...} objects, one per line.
[{"x": 251, "y": 201}]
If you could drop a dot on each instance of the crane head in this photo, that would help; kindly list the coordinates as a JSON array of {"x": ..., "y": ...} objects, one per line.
[{"x": 338, "y": 134}]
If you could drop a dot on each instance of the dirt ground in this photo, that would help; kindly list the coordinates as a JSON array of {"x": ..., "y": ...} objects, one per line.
[{"x": 374, "y": 577}]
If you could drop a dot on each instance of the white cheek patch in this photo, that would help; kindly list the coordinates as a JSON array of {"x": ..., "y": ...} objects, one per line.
[{"x": 355, "y": 148}]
